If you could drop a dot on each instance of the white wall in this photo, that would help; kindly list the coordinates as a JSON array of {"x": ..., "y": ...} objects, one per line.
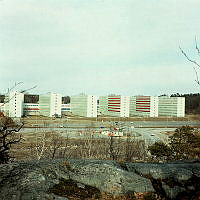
[
  {"x": 14, "y": 105},
  {"x": 181, "y": 107},
  {"x": 55, "y": 104},
  {"x": 153, "y": 106},
  {"x": 124, "y": 106},
  {"x": 92, "y": 106}
]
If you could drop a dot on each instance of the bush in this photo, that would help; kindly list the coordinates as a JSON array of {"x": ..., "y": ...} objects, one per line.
[{"x": 183, "y": 144}]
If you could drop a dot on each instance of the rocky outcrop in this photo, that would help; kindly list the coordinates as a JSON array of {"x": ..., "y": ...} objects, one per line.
[{"x": 61, "y": 178}]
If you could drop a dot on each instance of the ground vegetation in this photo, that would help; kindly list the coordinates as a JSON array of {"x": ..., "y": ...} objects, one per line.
[
  {"x": 9, "y": 136},
  {"x": 183, "y": 144}
]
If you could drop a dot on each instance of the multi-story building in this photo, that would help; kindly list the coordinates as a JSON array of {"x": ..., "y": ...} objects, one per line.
[
  {"x": 114, "y": 105},
  {"x": 31, "y": 109},
  {"x": 144, "y": 106},
  {"x": 50, "y": 104},
  {"x": 84, "y": 105},
  {"x": 13, "y": 104},
  {"x": 171, "y": 106}
]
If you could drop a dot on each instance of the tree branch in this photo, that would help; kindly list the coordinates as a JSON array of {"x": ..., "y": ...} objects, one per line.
[
  {"x": 196, "y": 46},
  {"x": 22, "y": 91},
  {"x": 15, "y": 85},
  {"x": 194, "y": 62}
]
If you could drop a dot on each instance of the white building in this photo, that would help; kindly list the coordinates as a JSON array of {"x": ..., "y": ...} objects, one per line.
[
  {"x": 31, "y": 109},
  {"x": 84, "y": 105},
  {"x": 50, "y": 104},
  {"x": 13, "y": 105},
  {"x": 114, "y": 105},
  {"x": 171, "y": 106},
  {"x": 144, "y": 106}
]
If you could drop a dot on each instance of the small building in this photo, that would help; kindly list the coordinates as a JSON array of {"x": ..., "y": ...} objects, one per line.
[
  {"x": 84, "y": 105},
  {"x": 50, "y": 104}
]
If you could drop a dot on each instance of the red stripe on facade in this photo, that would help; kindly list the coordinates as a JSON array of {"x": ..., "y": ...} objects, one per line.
[
  {"x": 113, "y": 107},
  {"x": 142, "y": 103},
  {"x": 114, "y": 110},
  {"x": 143, "y": 111},
  {"x": 113, "y": 99},
  {"x": 142, "y": 108}
]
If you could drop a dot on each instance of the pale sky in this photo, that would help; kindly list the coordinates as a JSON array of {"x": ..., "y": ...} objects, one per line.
[{"x": 99, "y": 47}]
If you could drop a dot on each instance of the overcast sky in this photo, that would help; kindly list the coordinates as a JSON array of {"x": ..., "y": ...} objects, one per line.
[{"x": 99, "y": 47}]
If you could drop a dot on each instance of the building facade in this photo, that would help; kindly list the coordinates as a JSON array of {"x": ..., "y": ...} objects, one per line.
[
  {"x": 31, "y": 109},
  {"x": 65, "y": 108},
  {"x": 144, "y": 106},
  {"x": 13, "y": 104},
  {"x": 84, "y": 105},
  {"x": 171, "y": 106},
  {"x": 114, "y": 105},
  {"x": 50, "y": 104}
]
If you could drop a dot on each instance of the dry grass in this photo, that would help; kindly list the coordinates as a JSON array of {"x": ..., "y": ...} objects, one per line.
[{"x": 44, "y": 144}]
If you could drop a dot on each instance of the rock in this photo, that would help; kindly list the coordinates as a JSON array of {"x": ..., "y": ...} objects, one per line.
[
  {"x": 172, "y": 192},
  {"x": 60, "y": 179},
  {"x": 110, "y": 178}
]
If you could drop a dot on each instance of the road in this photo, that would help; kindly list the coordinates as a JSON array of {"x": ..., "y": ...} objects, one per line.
[
  {"x": 136, "y": 124},
  {"x": 150, "y": 131}
]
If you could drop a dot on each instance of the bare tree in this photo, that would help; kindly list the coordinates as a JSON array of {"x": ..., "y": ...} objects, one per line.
[
  {"x": 9, "y": 135},
  {"x": 196, "y": 65},
  {"x": 56, "y": 146},
  {"x": 40, "y": 145}
]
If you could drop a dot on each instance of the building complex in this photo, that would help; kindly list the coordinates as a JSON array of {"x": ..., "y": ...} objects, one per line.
[{"x": 50, "y": 105}]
